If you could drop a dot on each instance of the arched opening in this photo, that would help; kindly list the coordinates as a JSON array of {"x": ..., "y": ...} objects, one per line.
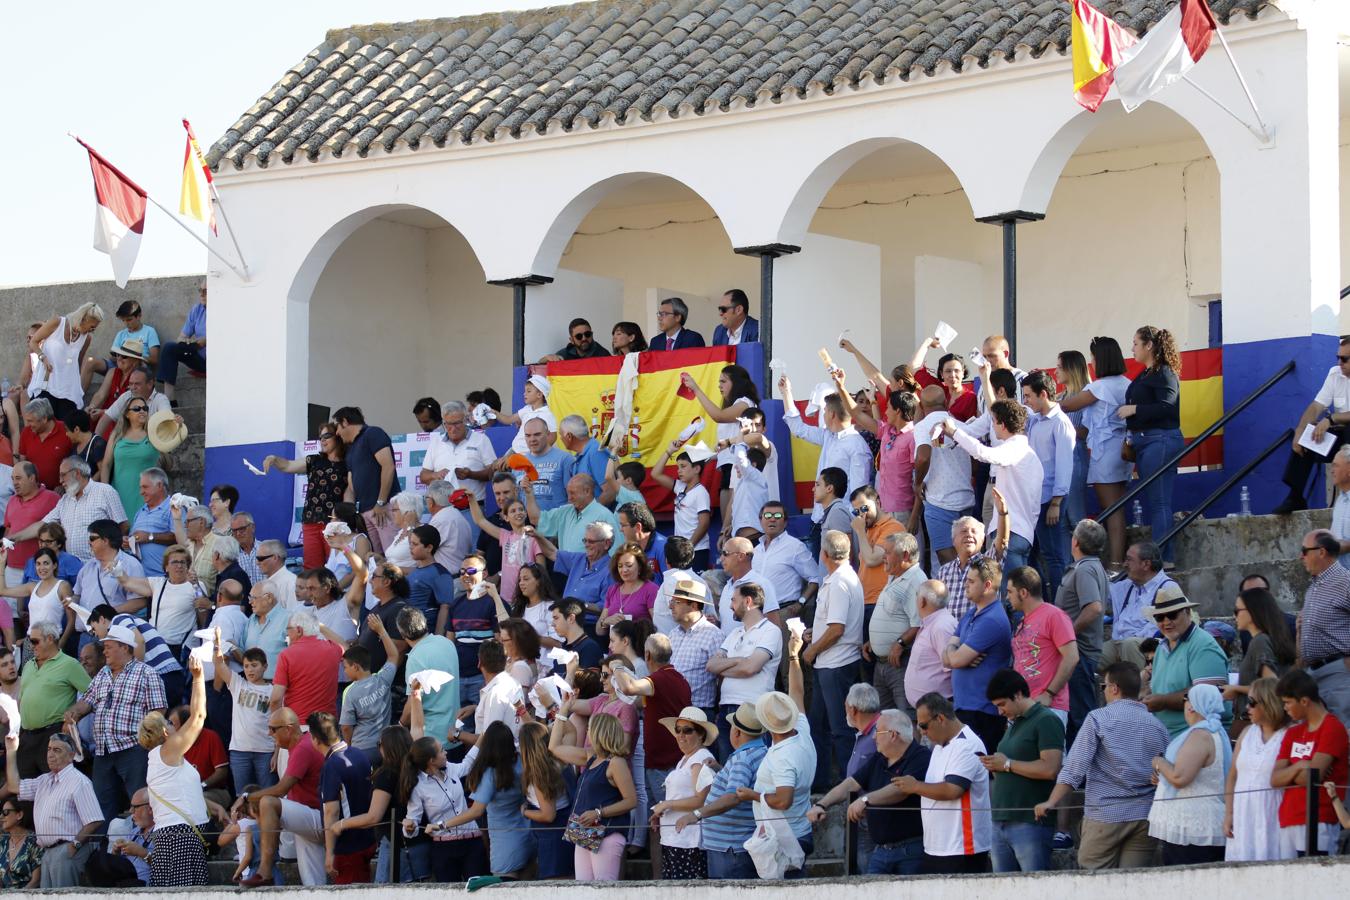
[{"x": 396, "y": 307}]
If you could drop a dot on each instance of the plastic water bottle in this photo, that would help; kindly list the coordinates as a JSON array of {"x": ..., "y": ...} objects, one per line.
[
  {"x": 5, "y": 387},
  {"x": 1138, "y": 510},
  {"x": 1245, "y": 501}
]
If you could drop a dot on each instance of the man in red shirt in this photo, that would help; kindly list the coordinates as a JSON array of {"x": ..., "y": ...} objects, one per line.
[
  {"x": 43, "y": 441},
  {"x": 207, "y": 755},
  {"x": 667, "y": 694},
  {"x": 31, "y": 501},
  {"x": 1316, "y": 740},
  {"x": 306, "y": 676},
  {"x": 292, "y": 804}
]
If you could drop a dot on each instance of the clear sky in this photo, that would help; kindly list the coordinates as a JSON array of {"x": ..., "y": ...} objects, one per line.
[{"x": 122, "y": 76}]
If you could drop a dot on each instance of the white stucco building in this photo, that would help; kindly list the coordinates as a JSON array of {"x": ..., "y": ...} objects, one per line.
[{"x": 396, "y": 183}]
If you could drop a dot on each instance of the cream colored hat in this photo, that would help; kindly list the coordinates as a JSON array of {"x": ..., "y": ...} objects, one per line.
[{"x": 166, "y": 432}]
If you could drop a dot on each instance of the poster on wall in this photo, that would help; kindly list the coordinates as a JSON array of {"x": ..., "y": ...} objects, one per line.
[{"x": 409, "y": 450}]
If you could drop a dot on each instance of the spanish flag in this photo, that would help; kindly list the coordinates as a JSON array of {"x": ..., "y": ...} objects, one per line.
[
  {"x": 191, "y": 198},
  {"x": 587, "y": 388},
  {"x": 1098, "y": 45}
]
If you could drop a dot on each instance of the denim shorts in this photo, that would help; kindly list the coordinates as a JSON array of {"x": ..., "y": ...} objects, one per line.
[{"x": 939, "y": 522}]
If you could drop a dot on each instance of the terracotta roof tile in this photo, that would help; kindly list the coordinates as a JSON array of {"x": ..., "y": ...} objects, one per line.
[{"x": 573, "y": 67}]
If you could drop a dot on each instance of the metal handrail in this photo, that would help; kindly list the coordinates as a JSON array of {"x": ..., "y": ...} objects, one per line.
[
  {"x": 1199, "y": 439},
  {"x": 1345, "y": 292},
  {"x": 1227, "y": 486}
]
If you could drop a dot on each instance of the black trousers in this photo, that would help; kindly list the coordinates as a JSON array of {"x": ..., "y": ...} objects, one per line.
[
  {"x": 974, "y": 864},
  {"x": 1298, "y": 471}
]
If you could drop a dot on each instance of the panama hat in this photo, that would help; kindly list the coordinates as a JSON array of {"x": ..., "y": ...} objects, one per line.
[
  {"x": 691, "y": 590},
  {"x": 777, "y": 712},
  {"x": 745, "y": 720},
  {"x": 1168, "y": 600},
  {"x": 694, "y": 716},
  {"x": 166, "y": 432},
  {"x": 133, "y": 348}
]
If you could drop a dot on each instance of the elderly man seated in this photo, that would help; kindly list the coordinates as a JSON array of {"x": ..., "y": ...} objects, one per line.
[
  {"x": 291, "y": 805},
  {"x": 65, "y": 810}
]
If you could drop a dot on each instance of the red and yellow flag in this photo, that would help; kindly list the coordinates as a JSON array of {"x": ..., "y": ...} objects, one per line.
[
  {"x": 1098, "y": 43},
  {"x": 586, "y": 387},
  {"x": 192, "y": 199}
]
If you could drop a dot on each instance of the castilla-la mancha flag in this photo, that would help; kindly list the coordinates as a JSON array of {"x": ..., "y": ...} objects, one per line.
[
  {"x": 1164, "y": 55},
  {"x": 119, "y": 217}
]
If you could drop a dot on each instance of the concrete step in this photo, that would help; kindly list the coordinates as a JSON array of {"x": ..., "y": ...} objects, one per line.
[{"x": 186, "y": 466}]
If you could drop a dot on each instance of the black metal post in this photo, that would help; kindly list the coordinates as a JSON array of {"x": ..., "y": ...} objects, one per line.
[
  {"x": 767, "y": 253},
  {"x": 1009, "y": 221},
  {"x": 518, "y": 287},
  {"x": 1314, "y": 788}
]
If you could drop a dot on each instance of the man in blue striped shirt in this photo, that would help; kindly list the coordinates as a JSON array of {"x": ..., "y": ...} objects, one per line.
[
  {"x": 157, "y": 656},
  {"x": 1112, "y": 760},
  {"x": 727, "y": 822}
]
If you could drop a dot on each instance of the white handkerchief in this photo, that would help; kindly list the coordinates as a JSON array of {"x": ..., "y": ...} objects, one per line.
[
  {"x": 206, "y": 634},
  {"x": 818, "y": 395},
  {"x": 1323, "y": 447},
  {"x": 691, "y": 429},
  {"x": 478, "y": 590},
  {"x": 11, "y": 709},
  {"x": 181, "y": 501},
  {"x": 945, "y": 334},
  {"x": 431, "y": 680},
  {"x": 205, "y": 653},
  {"x": 621, "y": 695},
  {"x": 796, "y": 626},
  {"x": 252, "y": 468},
  {"x": 7, "y": 544},
  {"x": 81, "y": 612},
  {"x": 977, "y": 358},
  {"x": 333, "y": 529},
  {"x": 562, "y": 655}
]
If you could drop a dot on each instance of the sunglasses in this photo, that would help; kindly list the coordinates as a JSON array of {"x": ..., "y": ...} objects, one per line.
[
  {"x": 265, "y": 558},
  {"x": 327, "y": 436},
  {"x": 923, "y": 726},
  {"x": 683, "y": 730},
  {"x": 1343, "y": 359},
  {"x": 241, "y": 529},
  {"x": 1304, "y": 551},
  {"x": 772, "y": 517},
  {"x": 583, "y": 335},
  {"x": 272, "y": 729},
  {"x": 469, "y": 570},
  {"x": 1168, "y": 617},
  {"x": 723, "y": 309},
  {"x": 8, "y": 811},
  {"x": 138, "y": 409}
]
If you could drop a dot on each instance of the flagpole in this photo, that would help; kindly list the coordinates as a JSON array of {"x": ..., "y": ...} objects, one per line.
[
  {"x": 198, "y": 238},
  {"x": 228, "y": 227},
  {"x": 1265, "y": 131},
  {"x": 1260, "y": 133}
]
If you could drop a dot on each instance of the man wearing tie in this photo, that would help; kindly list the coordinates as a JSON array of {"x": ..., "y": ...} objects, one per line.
[
  {"x": 1129, "y": 596},
  {"x": 671, "y": 314}
]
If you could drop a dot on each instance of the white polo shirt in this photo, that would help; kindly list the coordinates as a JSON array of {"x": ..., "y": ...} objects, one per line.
[
  {"x": 947, "y": 484},
  {"x": 724, "y": 614},
  {"x": 497, "y": 703},
  {"x": 474, "y": 452},
  {"x": 840, "y": 602},
  {"x": 763, "y": 635},
  {"x": 1335, "y": 392},
  {"x": 964, "y": 826}
]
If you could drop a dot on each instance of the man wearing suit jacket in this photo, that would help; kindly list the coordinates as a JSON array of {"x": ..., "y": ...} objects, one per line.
[
  {"x": 671, "y": 315},
  {"x": 737, "y": 327}
]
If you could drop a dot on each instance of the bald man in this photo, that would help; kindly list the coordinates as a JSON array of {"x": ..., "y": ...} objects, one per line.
[
  {"x": 737, "y": 557},
  {"x": 996, "y": 350},
  {"x": 292, "y": 804}
]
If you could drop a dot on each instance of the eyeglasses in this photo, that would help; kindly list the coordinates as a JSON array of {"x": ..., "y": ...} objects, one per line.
[
  {"x": 1169, "y": 616},
  {"x": 662, "y": 314},
  {"x": 176, "y": 562},
  {"x": 240, "y": 529},
  {"x": 139, "y": 805},
  {"x": 583, "y": 335},
  {"x": 880, "y": 731},
  {"x": 469, "y": 570},
  {"x": 1239, "y": 609},
  {"x": 272, "y": 729},
  {"x": 723, "y": 309},
  {"x": 682, "y": 730},
  {"x": 592, "y": 540},
  {"x": 8, "y": 811},
  {"x": 138, "y": 409},
  {"x": 327, "y": 436},
  {"x": 1304, "y": 551},
  {"x": 772, "y": 516}
]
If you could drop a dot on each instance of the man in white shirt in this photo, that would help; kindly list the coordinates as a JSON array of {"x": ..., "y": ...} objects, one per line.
[
  {"x": 1016, "y": 472},
  {"x": 321, "y": 593},
  {"x": 1340, "y": 509},
  {"x": 737, "y": 556},
  {"x": 957, "y": 830},
  {"x": 834, "y": 652},
  {"x": 462, "y": 457},
  {"x": 457, "y": 538},
  {"x": 271, "y": 560},
  {"x": 1052, "y": 437},
  {"x": 500, "y": 696},
  {"x": 999, "y": 356},
  {"x": 784, "y": 562},
  {"x": 895, "y": 618},
  {"x": 1328, "y": 412},
  {"x": 140, "y": 386},
  {"x": 748, "y": 660},
  {"x": 941, "y": 477},
  {"x": 841, "y": 446}
]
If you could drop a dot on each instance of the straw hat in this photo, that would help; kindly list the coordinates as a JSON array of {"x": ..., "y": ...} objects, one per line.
[
  {"x": 691, "y": 590},
  {"x": 166, "y": 432},
  {"x": 133, "y": 348},
  {"x": 745, "y": 720},
  {"x": 1167, "y": 600},
  {"x": 694, "y": 716},
  {"x": 776, "y": 712}
]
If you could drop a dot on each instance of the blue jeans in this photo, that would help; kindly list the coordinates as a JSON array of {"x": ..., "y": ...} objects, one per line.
[
  {"x": 1017, "y": 554},
  {"x": 655, "y": 780},
  {"x": 1075, "y": 503},
  {"x": 116, "y": 774},
  {"x": 1052, "y": 546},
  {"x": 469, "y": 686},
  {"x": 726, "y": 864},
  {"x": 1021, "y": 847},
  {"x": 173, "y": 353},
  {"x": 722, "y": 748},
  {"x": 384, "y": 864},
  {"x": 251, "y": 768},
  {"x": 829, "y": 726},
  {"x": 903, "y": 858},
  {"x": 1152, "y": 449}
]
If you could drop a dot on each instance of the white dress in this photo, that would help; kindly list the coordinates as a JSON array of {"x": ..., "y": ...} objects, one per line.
[
  {"x": 1256, "y": 831},
  {"x": 63, "y": 378},
  {"x": 1193, "y": 815}
]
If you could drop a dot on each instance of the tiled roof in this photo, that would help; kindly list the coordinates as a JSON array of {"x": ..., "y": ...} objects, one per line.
[{"x": 504, "y": 75}]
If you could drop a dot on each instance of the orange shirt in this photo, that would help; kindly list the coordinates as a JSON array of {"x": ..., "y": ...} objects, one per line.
[{"x": 874, "y": 578}]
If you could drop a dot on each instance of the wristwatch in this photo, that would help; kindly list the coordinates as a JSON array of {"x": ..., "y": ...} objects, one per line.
[
  {"x": 698, "y": 814},
  {"x": 381, "y": 502},
  {"x": 1007, "y": 765},
  {"x": 863, "y": 798}
]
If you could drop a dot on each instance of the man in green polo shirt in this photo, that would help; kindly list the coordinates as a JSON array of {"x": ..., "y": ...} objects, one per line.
[
  {"x": 50, "y": 683},
  {"x": 567, "y": 524},
  {"x": 1024, "y": 771}
]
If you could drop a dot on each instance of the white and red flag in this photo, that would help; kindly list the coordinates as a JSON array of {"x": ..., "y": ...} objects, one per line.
[
  {"x": 1169, "y": 50},
  {"x": 119, "y": 217}
]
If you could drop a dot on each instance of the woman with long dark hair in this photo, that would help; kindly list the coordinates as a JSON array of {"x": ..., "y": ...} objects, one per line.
[
  {"x": 385, "y": 804},
  {"x": 738, "y": 393},
  {"x": 495, "y": 780},
  {"x": 431, "y": 790},
  {"x": 1271, "y": 651},
  {"x": 521, "y": 643},
  {"x": 1152, "y": 413},
  {"x": 326, "y": 476},
  {"x": 1107, "y": 471}
]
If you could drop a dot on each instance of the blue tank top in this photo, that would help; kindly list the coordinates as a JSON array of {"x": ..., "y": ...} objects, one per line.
[{"x": 595, "y": 792}]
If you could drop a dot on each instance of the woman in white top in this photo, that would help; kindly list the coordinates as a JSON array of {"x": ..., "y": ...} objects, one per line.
[
  {"x": 1188, "y": 808},
  {"x": 536, "y": 393},
  {"x": 686, "y": 790},
  {"x": 738, "y": 394},
  {"x": 175, "y": 789},
  {"x": 47, "y": 603},
  {"x": 535, "y": 596},
  {"x": 337, "y": 545},
  {"x": 61, "y": 344},
  {"x": 521, "y": 643},
  {"x": 408, "y": 508},
  {"x": 430, "y": 788},
  {"x": 173, "y": 598},
  {"x": 1107, "y": 471},
  {"x": 1251, "y": 808}
]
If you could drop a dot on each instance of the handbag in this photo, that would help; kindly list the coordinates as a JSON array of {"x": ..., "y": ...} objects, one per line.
[
  {"x": 1127, "y": 451},
  {"x": 587, "y": 837}
]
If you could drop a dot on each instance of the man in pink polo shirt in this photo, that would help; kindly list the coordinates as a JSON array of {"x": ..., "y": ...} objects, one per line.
[
  {"x": 31, "y": 501},
  {"x": 1045, "y": 645},
  {"x": 306, "y": 676}
]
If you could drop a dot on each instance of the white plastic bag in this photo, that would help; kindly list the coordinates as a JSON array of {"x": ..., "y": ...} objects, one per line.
[{"x": 773, "y": 847}]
